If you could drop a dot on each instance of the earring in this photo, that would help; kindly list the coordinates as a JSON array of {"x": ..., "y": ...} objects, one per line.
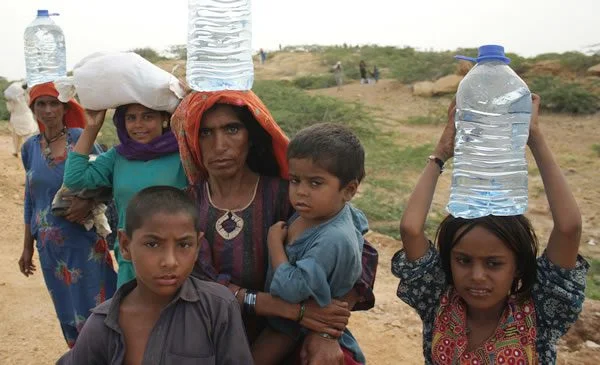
[{"x": 165, "y": 123}]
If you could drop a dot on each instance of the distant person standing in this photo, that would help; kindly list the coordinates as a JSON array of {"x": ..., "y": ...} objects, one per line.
[
  {"x": 375, "y": 73},
  {"x": 338, "y": 73},
  {"x": 363, "y": 72},
  {"x": 22, "y": 125},
  {"x": 263, "y": 56}
]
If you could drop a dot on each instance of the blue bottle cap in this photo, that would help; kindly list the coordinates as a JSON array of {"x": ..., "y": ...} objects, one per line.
[
  {"x": 488, "y": 52},
  {"x": 43, "y": 13}
]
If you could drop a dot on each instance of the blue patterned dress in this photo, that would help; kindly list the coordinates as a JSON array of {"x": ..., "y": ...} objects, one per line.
[
  {"x": 527, "y": 331},
  {"x": 76, "y": 263}
]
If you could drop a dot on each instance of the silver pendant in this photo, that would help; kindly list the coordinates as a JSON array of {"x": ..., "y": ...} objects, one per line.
[{"x": 229, "y": 225}]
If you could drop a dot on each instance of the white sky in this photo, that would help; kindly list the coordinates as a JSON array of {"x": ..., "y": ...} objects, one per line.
[{"x": 527, "y": 27}]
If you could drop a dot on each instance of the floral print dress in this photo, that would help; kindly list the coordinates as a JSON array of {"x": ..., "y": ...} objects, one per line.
[{"x": 76, "y": 263}]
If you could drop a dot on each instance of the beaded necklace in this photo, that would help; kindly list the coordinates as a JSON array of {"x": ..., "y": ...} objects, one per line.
[{"x": 48, "y": 150}]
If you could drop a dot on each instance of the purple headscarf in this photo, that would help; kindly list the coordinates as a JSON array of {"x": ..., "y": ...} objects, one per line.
[{"x": 165, "y": 144}]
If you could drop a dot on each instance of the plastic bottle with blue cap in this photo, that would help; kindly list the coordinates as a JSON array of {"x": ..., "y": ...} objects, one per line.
[
  {"x": 493, "y": 111},
  {"x": 45, "y": 51}
]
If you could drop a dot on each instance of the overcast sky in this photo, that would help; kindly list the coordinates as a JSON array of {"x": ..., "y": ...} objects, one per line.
[{"x": 527, "y": 27}]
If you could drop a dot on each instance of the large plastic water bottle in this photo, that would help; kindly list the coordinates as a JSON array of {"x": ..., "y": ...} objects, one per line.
[
  {"x": 45, "y": 52},
  {"x": 219, "y": 53},
  {"x": 493, "y": 110}
]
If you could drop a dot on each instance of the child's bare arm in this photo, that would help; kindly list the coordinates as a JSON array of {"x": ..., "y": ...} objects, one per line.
[
  {"x": 412, "y": 225},
  {"x": 271, "y": 347},
  {"x": 563, "y": 243}
]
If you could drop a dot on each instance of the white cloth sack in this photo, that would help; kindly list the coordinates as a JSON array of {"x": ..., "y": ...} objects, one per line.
[
  {"x": 108, "y": 80},
  {"x": 13, "y": 91},
  {"x": 22, "y": 121}
]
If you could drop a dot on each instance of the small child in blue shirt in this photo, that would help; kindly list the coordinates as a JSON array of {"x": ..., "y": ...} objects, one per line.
[{"x": 317, "y": 253}]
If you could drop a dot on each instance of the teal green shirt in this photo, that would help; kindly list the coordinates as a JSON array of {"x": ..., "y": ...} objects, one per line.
[{"x": 126, "y": 177}]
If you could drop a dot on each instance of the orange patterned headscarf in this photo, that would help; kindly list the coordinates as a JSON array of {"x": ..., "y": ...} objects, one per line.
[
  {"x": 185, "y": 123},
  {"x": 74, "y": 115}
]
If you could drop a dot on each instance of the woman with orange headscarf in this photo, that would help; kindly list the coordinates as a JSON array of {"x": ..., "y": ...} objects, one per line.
[
  {"x": 234, "y": 155},
  {"x": 76, "y": 264}
]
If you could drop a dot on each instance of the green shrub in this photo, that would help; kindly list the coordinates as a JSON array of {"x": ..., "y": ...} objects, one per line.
[
  {"x": 149, "y": 54},
  {"x": 178, "y": 51},
  {"x": 564, "y": 97},
  {"x": 517, "y": 63},
  {"x": 434, "y": 117},
  {"x": 4, "y": 114},
  {"x": 311, "y": 82},
  {"x": 108, "y": 134},
  {"x": 592, "y": 289},
  {"x": 576, "y": 62}
]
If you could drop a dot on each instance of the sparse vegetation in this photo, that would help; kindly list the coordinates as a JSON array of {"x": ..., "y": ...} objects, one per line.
[
  {"x": 593, "y": 279},
  {"x": 149, "y": 54},
  {"x": 294, "y": 109},
  {"x": 108, "y": 133},
  {"x": 564, "y": 97},
  {"x": 404, "y": 64},
  {"x": 310, "y": 82},
  {"x": 4, "y": 83},
  {"x": 575, "y": 62},
  {"x": 178, "y": 52},
  {"x": 433, "y": 117}
]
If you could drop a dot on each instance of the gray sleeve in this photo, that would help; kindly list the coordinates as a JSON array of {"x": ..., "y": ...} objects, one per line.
[
  {"x": 332, "y": 265},
  {"x": 231, "y": 344},
  {"x": 91, "y": 347}
]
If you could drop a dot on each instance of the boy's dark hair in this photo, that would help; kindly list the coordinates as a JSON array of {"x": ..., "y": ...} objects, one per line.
[
  {"x": 515, "y": 231},
  {"x": 158, "y": 199},
  {"x": 332, "y": 147},
  {"x": 261, "y": 157}
]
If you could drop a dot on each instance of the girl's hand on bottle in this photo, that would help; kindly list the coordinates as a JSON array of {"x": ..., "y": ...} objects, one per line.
[
  {"x": 445, "y": 146},
  {"x": 534, "y": 126}
]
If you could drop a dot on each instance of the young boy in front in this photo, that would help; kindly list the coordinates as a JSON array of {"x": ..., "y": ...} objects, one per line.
[
  {"x": 317, "y": 253},
  {"x": 164, "y": 316}
]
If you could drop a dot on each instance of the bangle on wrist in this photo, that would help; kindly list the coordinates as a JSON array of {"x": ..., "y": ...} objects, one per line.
[
  {"x": 438, "y": 161},
  {"x": 250, "y": 302},
  {"x": 301, "y": 312},
  {"x": 235, "y": 294},
  {"x": 327, "y": 336}
]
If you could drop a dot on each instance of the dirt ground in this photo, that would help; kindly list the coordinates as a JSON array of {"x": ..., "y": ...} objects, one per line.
[{"x": 390, "y": 333}]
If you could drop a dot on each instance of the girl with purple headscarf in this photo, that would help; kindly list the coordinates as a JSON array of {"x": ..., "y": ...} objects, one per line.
[{"x": 148, "y": 155}]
